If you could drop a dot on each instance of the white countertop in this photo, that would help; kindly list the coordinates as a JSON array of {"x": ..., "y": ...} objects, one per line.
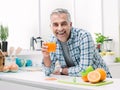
[
  {"x": 37, "y": 79},
  {"x": 113, "y": 64}
]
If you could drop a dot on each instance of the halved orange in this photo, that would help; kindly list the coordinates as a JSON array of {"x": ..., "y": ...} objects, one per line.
[
  {"x": 84, "y": 78},
  {"x": 103, "y": 73},
  {"x": 94, "y": 76},
  {"x": 85, "y": 73}
]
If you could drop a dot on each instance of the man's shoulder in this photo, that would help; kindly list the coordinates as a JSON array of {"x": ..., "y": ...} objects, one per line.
[
  {"x": 52, "y": 38},
  {"x": 79, "y": 31}
]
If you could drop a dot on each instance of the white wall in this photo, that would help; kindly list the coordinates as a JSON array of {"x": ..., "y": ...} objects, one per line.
[
  {"x": 88, "y": 15},
  {"x": 111, "y": 22},
  {"x": 22, "y": 19}
]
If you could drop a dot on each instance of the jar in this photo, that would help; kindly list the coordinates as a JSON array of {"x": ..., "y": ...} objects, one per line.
[{"x": 108, "y": 45}]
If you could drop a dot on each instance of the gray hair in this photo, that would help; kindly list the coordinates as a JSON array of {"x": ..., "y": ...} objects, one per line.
[{"x": 60, "y": 11}]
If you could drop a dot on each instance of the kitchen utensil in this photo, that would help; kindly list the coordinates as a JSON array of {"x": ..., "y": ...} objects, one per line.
[
  {"x": 11, "y": 50},
  {"x": 36, "y": 43},
  {"x": 8, "y": 59},
  {"x": 18, "y": 50},
  {"x": 108, "y": 45},
  {"x": 15, "y": 53}
]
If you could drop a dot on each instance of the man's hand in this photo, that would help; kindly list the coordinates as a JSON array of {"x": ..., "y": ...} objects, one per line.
[
  {"x": 44, "y": 50},
  {"x": 57, "y": 72},
  {"x": 64, "y": 71},
  {"x": 46, "y": 55}
]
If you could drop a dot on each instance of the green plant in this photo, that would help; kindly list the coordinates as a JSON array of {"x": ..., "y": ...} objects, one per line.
[
  {"x": 3, "y": 33},
  {"x": 117, "y": 59},
  {"x": 100, "y": 38}
]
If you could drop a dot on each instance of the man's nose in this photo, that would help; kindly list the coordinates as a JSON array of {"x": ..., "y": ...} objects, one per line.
[{"x": 60, "y": 27}]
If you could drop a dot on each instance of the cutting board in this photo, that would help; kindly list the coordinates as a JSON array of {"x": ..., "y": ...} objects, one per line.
[{"x": 86, "y": 83}]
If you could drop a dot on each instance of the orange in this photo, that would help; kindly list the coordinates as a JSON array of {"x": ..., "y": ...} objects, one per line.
[
  {"x": 103, "y": 73},
  {"x": 51, "y": 46},
  {"x": 94, "y": 76},
  {"x": 84, "y": 78},
  {"x": 85, "y": 73},
  {"x": 97, "y": 75}
]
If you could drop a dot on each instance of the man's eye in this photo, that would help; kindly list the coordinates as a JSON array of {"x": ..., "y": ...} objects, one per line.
[
  {"x": 55, "y": 24},
  {"x": 64, "y": 24}
]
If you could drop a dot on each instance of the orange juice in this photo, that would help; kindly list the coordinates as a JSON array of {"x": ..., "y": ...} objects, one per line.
[{"x": 51, "y": 46}]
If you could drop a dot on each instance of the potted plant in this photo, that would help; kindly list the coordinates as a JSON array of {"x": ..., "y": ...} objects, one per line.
[
  {"x": 100, "y": 40},
  {"x": 3, "y": 37}
]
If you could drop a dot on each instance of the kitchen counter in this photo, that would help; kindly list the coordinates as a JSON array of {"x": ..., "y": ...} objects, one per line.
[
  {"x": 35, "y": 80},
  {"x": 114, "y": 69}
]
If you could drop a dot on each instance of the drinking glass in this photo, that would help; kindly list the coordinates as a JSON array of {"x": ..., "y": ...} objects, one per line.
[{"x": 51, "y": 46}]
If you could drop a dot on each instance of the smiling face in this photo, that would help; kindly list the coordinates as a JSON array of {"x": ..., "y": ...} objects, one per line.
[{"x": 61, "y": 26}]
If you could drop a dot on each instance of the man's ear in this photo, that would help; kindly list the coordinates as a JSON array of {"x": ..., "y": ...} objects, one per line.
[
  {"x": 71, "y": 24},
  {"x": 50, "y": 25}
]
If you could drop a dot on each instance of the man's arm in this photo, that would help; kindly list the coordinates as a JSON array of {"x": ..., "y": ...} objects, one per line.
[
  {"x": 46, "y": 55},
  {"x": 46, "y": 60}
]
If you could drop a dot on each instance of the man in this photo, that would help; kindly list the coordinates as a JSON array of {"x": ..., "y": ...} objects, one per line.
[{"x": 75, "y": 48}]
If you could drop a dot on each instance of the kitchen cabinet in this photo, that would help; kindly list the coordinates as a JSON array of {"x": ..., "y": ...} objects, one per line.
[{"x": 8, "y": 85}]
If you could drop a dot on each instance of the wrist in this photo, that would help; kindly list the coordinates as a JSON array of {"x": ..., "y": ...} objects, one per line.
[
  {"x": 61, "y": 71},
  {"x": 46, "y": 56},
  {"x": 47, "y": 62},
  {"x": 65, "y": 71}
]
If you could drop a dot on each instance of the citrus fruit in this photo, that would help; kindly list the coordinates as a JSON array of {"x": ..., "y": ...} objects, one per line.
[
  {"x": 103, "y": 73},
  {"x": 97, "y": 75},
  {"x": 85, "y": 73},
  {"x": 84, "y": 78},
  {"x": 94, "y": 76}
]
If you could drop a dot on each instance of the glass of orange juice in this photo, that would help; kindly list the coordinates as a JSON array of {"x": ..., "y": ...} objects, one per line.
[{"x": 51, "y": 46}]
